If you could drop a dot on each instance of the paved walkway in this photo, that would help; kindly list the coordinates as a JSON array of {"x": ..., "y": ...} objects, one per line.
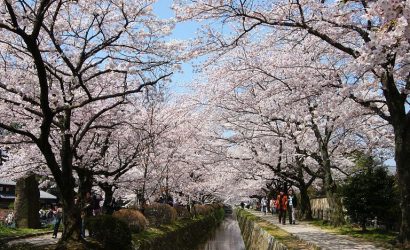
[
  {"x": 318, "y": 237},
  {"x": 43, "y": 240},
  {"x": 37, "y": 241}
]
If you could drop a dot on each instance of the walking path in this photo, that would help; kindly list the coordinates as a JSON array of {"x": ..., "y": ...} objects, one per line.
[
  {"x": 43, "y": 240},
  {"x": 37, "y": 241},
  {"x": 318, "y": 237}
]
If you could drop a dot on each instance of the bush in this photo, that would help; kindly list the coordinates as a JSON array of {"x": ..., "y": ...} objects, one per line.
[
  {"x": 111, "y": 232},
  {"x": 182, "y": 211},
  {"x": 159, "y": 213},
  {"x": 371, "y": 192},
  {"x": 207, "y": 209},
  {"x": 135, "y": 220},
  {"x": 202, "y": 209}
]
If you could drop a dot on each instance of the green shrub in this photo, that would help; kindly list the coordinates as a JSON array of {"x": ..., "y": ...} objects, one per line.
[
  {"x": 371, "y": 192},
  {"x": 158, "y": 214},
  {"x": 219, "y": 213},
  {"x": 135, "y": 220},
  {"x": 111, "y": 232}
]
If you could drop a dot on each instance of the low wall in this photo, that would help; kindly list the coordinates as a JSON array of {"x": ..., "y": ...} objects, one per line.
[
  {"x": 254, "y": 236},
  {"x": 320, "y": 208},
  {"x": 186, "y": 234}
]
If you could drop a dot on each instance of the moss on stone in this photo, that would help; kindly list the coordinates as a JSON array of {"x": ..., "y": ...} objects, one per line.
[
  {"x": 181, "y": 234},
  {"x": 285, "y": 238}
]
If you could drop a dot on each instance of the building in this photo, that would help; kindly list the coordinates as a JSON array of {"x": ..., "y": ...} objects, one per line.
[{"x": 7, "y": 195}]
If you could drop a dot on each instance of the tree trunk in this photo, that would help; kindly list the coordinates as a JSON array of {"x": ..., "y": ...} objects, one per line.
[
  {"x": 72, "y": 225},
  {"x": 304, "y": 204},
  {"x": 402, "y": 157},
  {"x": 86, "y": 184},
  {"x": 305, "y": 208},
  {"x": 332, "y": 195},
  {"x": 71, "y": 211},
  {"x": 363, "y": 225},
  {"x": 400, "y": 119},
  {"x": 108, "y": 195},
  {"x": 335, "y": 202}
]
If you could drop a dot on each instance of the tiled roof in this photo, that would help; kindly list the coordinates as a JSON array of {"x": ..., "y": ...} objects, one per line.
[
  {"x": 7, "y": 182},
  {"x": 7, "y": 197},
  {"x": 43, "y": 195}
]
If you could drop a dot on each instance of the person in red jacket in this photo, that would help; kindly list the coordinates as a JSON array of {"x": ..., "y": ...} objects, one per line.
[{"x": 281, "y": 206}]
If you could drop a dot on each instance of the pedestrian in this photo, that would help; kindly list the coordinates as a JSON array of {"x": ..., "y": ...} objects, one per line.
[
  {"x": 264, "y": 205},
  {"x": 292, "y": 204},
  {"x": 272, "y": 204},
  {"x": 10, "y": 219},
  {"x": 281, "y": 206},
  {"x": 86, "y": 212},
  {"x": 96, "y": 205},
  {"x": 58, "y": 215}
]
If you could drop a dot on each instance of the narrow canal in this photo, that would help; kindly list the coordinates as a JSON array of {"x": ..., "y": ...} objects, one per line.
[{"x": 226, "y": 237}]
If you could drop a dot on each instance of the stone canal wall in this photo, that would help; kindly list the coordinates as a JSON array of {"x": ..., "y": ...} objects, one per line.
[
  {"x": 254, "y": 236},
  {"x": 184, "y": 234}
]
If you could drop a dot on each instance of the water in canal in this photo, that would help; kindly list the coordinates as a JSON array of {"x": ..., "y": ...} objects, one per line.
[{"x": 226, "y": 237}]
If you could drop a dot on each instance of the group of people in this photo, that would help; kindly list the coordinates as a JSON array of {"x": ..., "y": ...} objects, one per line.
[
  {"x": 90, "y": 207},
  {"x": 284, "y": 203},
  {"x": 9, "y": 219}
]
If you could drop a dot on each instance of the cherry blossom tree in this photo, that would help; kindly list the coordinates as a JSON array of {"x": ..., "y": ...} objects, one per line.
[
  {"x": 72, "y": 63},
  {"x": 273, "y": 110}
]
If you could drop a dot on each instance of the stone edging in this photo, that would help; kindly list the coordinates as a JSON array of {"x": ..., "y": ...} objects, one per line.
[{"x": 257, "y": 238}]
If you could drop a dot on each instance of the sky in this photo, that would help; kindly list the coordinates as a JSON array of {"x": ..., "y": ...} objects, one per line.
[{"x": 182, "y": 31}]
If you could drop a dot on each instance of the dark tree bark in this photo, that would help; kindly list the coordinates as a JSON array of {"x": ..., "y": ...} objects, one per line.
[
  {"x": 108, "y": 196},
  {"x": 304, "y": 204},
  {"x": 401, "y": 125}
]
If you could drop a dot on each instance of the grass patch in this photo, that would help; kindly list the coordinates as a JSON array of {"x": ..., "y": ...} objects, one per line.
[
  {"x": 291, "y": 242},
  {"x": 6, "y": 232},
  {"x": 378, "y": 237},
  {"x": 152, "y": 233}
]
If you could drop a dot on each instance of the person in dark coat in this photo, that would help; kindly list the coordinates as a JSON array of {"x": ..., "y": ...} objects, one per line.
[
  {"x": 281, "y": 206},
  {"x": 292, "y": 204}
]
